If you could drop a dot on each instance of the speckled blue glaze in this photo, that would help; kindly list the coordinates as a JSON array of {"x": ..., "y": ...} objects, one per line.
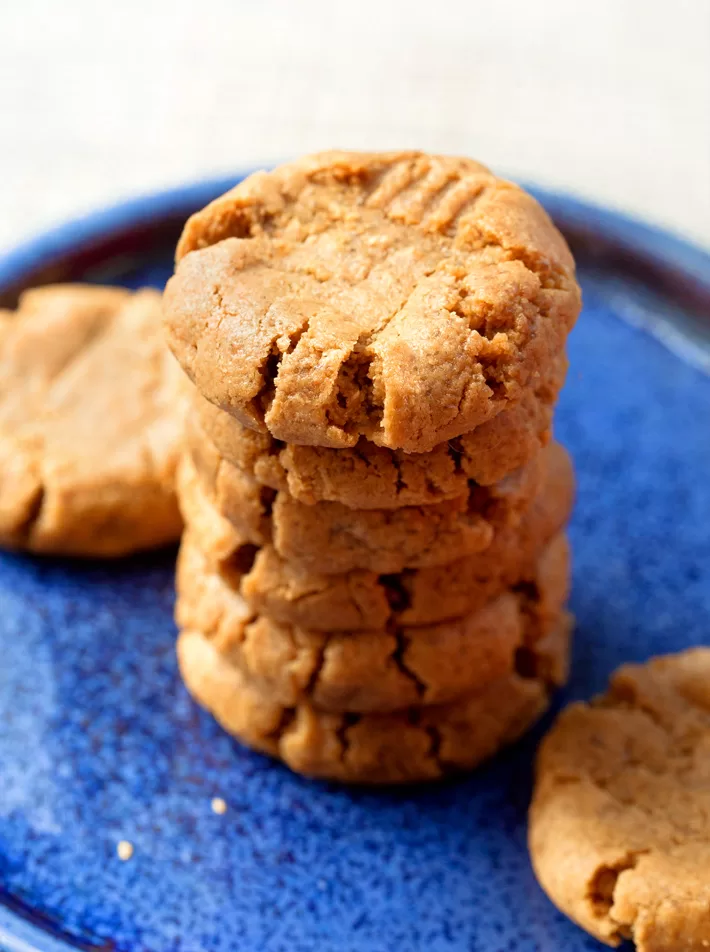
[{"x": 99, "y": 741}]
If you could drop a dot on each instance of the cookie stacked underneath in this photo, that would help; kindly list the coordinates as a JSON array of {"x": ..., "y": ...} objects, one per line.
[{"x": 372, "y": 581}]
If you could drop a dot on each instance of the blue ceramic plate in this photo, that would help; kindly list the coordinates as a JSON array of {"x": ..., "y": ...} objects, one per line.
[{"x": 99, "y": 741}]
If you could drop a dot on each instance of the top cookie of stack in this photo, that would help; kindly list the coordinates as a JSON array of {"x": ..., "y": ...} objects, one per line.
[
  {"x": 399, "y": 297},
  {"x": 373, "y": 577}
]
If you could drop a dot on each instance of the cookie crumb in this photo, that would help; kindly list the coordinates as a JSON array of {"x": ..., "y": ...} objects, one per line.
[
  {"x": 124, "y": 850},
  {"x": 219, "y": 806}
]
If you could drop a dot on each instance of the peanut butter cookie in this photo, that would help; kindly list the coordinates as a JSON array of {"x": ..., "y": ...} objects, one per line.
[
  {"x": 367, "y": 476},
  {"x": 330, "y": 538},
  {"x": 217, "y": 536},
  {"x": 287, "y": 592},
  {"x": 383, "y": 670},
  {"x": 91, "y": 423},
  {"x": 406, "y": 746},
  {"x": 620, "y": 820},
  {"x": 400, "y": 297}
]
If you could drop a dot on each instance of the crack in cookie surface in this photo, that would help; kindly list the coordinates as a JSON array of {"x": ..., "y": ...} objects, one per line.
[
  {"x": 363, "y": 599},
  {"x": 379, "y": 670},
  {"x": 331, "y": 538},
  {"x": 623, "y": 782},
  {"x": 407, "y": 266},
  {"x": 366, "y": 476},
  {"x": 361, "y": 748}
]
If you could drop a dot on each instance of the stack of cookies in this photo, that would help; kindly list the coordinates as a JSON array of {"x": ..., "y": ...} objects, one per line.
[{"x": 372, "y": 580}]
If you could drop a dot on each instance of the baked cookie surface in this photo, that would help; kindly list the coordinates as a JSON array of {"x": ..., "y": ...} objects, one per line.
[
  {"x": 331, "y": 538},
  {"x": 401, "y": 297},
  {"x": 386, "y": 669},
  {"x": 423, "y": 743},
  {"x": 362, "y": 599},
  {"x": 90, "y": 423},
  {"x": 620, "y": 821},
  {"x": 367, "y": 476}
]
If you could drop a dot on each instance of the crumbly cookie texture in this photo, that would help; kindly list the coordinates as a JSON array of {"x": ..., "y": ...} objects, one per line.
[
  {"x": 401, "y": 297},
  {"x": 91, "y": 423},
  {"x": 385, "y": 670},
  {"x": 217, "y": 536},
  {"x": 407, "y": 746},
  {"x": 362, "y": 599},
  {"x": 330, "y": 538},
  {"x": 367, "y": 476},
  {"x": 620, "y": 820}
]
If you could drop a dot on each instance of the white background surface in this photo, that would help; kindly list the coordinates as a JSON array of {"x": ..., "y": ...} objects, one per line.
[{"x": 607, "y": 99}]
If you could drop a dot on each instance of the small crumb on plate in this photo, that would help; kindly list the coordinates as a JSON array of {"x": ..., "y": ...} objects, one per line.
[{"x": 124, "y": 850}]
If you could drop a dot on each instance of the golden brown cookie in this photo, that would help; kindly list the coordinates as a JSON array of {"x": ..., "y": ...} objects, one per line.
[
  {"x": 287, "y": 592},
  {"x": 382, "y": 670},
  {"x": 217, "y": 536},
  {"x": 5, "y": 323},
  {"x": 401, "y": 297},
  {"x": 329, "y": 538},
  {"x": 620, "y": 820},
  {"x": 367, "y": 476},
  {"x": 91, "y": 419},
  {"x": 403, "y": 747}
]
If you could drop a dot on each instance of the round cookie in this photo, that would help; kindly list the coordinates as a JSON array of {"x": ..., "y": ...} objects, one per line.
[
  {"x": 367, "y": 476},
  {"x": 287, "y": 592},
  {"x": 400, "y": 297},
  {"x": 404, "y": 747},
  {"x": 91, "y": 420},
  {"x": 383, "y": 670},
  {"x": 331, "y": 538},
  {"x": 620, "y": 819}
]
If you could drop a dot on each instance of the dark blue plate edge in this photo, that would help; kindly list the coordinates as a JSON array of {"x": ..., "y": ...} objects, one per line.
[
  {"x": 627, "y": 233},
  {"x": 145, "y": 215},
  {"x": 18, "y": 933}
]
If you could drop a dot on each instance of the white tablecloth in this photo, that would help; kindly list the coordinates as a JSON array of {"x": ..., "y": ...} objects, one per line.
[{"x": 608, "y": 99}]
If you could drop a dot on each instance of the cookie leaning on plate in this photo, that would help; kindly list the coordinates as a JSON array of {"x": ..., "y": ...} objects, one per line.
[
  {"x": 401, "y": 297},
  {"x": 620, "y": 820},
  {"x": 90, "y": 423}
]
